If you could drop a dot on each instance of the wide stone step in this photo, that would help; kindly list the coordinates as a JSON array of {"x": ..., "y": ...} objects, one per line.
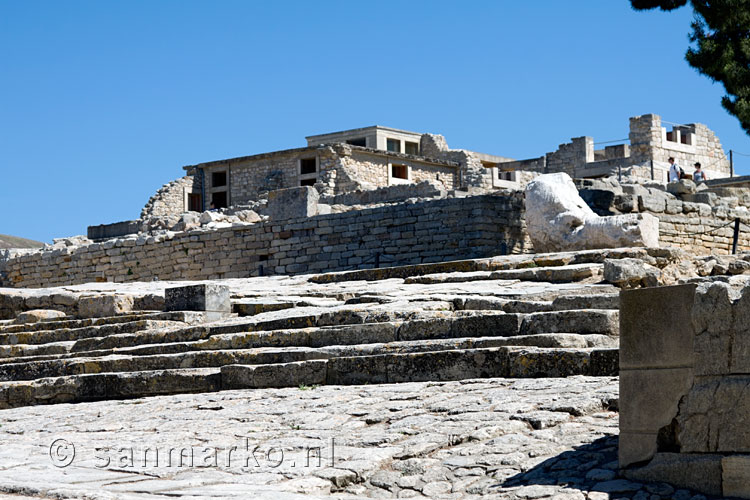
[
  {"x": 593, "y": 301},
  {"x": 57, "y": 324},
  {"x": 67, "y": 334},
  {"x": 583, "y": 321},
  {"x": 232, "y": 350},
  {"x": 504, "y": 262},
  {"x": 455, "y": 364},
  {"x": 562, "y": 274},
  {"x": 462, "y": 324},
  {"x": 101, "y": 386}
]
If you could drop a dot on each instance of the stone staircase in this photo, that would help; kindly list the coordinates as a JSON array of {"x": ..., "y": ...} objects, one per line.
[{"x": 515, "y": 316}]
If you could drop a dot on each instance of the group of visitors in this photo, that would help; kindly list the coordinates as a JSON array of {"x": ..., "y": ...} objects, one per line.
[{"x": 676, "y": 173}]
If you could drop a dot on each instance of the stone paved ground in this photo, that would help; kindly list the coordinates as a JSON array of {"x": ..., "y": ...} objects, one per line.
[{"x": 500, "y": 438}]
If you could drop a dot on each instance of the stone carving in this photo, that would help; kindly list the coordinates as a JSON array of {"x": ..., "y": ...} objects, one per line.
[{"x": 558, "y": 219}]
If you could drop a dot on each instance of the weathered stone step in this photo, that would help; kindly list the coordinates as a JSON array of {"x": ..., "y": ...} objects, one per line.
[
  {"x": 230, "y": 351},
  {"x": 383, "y": 368},
  {"x": 583, "y": 321},
  {"x": 66, "y": 334},
  {"x": 460, "y": 325},
  {"x": 588, "y": 273},
  {"x": 503, "y": 262},
  {"x": 562, "y": 274},
  {"x": 500, "y": 304},
  {"x": 592, "y": 301},
  {"x": 101, "y": 386},
  {"x": 183, "y": 316}
]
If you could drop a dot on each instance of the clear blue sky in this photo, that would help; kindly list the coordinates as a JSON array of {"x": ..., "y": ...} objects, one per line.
[{"x": 102, "y": 102}]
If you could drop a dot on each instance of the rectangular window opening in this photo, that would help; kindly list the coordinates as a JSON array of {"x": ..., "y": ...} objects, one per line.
[
  {"x": 399, "y": 171},
  {"x": 219, "y": 200},
  {"x": 393, "y": 145},
  {"x": 308, "y": 166},
  {"x": 361, "y": 141},
  {"x": 411, "y": 148},
  {"x": 194, "y": 202},
  {"x": 218, "y": 179}
]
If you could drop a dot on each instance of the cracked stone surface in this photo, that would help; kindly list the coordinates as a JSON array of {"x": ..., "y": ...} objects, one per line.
[{"x": 490, "y": 438}]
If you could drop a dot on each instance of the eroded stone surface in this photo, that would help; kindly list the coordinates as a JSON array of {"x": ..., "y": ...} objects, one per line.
[{"x": 514, "y": 439}]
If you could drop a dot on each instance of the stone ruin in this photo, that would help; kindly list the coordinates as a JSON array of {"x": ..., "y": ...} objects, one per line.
[{"x": 453, "y": 340}]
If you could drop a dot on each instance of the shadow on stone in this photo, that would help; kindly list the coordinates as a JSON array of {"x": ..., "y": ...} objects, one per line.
[{"x": 592, "y": 470}]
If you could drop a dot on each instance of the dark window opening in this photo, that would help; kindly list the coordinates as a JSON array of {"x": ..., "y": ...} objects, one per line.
[
  {"x": 308, "y": 166},
  {"x": 194, "y": 202},
  {"x": 411, "y": 148},
  {"x": 399, "y": 172},
  {"x": 218, "y": 179},
  {"x": 219, "y": 199},
  {"x": 684, "y": 139},
  {"x": 393, "y": 145},
  {"x": 307, "y": 182},
  {"x": 670, "y": 136},
  {"x": 263, "y": 258},
  {"x": 362, "y": 141}
]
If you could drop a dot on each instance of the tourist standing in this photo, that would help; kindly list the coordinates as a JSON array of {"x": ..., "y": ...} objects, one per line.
[
  {"x": 674, "y": 170},
  {"x": 699, "y": 175}
]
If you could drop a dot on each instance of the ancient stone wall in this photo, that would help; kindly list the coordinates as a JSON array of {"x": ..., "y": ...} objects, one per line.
[
  {"x": 651, "y": 142},
  {"x": 340, "y": 168},
  {"x": 431, "y": 231},
  {"x": 684, "y": 382},
  {"x": 645, "y": 158},
  {"x": 171, "y": 198},
  {"x": 571, "y": 155}
]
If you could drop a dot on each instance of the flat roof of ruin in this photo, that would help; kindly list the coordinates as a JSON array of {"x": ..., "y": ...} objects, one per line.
[
  {"x": 362, "y": 129},
  {"x": 378, "y": 152}
]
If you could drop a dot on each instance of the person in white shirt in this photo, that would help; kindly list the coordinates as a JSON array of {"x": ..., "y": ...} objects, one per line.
[{"x": 674, "y": 170}]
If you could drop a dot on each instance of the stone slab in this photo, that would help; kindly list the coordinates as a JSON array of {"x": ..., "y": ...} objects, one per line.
[
  {"x": 203, "y": 297},
  {"x": 649, "y": 398},
  {"x": 292, "y": 203},
  {"x": 656, "y": 327},
  {"x": 699, "y": 472},
  {"x": 735, "y": 476}
]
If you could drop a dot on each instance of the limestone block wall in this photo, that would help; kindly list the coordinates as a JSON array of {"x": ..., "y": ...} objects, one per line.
[
  {"x": 430, "y": 231},
  {"x": 171, "y": 199},
  {"x": 649, "y": 141},
  {"x": 571, "y": 155},
  {"x": 370, "y": 169},
  {"x": 340, "y": 168},
  {"x": 684, "y": 398}
]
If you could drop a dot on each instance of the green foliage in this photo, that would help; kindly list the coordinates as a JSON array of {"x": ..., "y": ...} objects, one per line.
[{"x": 721, "y": 47}]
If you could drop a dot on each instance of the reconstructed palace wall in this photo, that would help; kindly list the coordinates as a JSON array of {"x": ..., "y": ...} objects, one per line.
[
  {"x": 431, "y": 231},
  {"x": 338, "y": 168},
  {"x": 645, "y": 158}
]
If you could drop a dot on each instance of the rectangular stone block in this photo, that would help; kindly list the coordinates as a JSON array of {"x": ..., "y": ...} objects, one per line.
[
  {"x": 656, "y": 329},
  {"x": 735, "y": 476},
  {"x": 203, "y": 297},
  {"x": 293, "y": 374},
  {"x": 292, "y": 203},
  {"x": 649, "y": 398},
  {"x": 697, "y": 472},
  {"x": 635, "y": 447}
]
